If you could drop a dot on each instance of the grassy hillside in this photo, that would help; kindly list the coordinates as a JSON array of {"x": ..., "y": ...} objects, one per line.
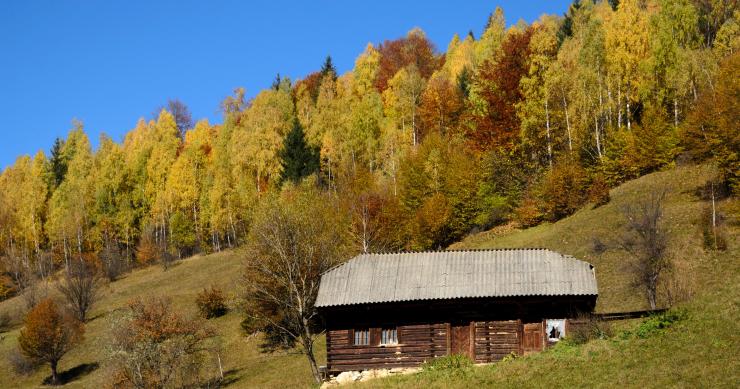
[
  {"x": 578, "y": 234},
  {"x": 700, "y": 350},
  {"x": 245, "y": 365}
]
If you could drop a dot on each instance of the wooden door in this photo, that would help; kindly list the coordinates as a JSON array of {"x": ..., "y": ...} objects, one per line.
[
  {"x": 533, "y": 338},
  {"x": 460, "y": 339}
]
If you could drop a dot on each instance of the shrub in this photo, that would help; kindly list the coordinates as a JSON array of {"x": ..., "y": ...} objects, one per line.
[
  {"x": 33, "y": 294},
  {"x": 211, "y": 303},
  {"x": 7, "y": 287},
  {"x": 659, "y": 322},
  {"x": 80, "y": 286},
  {"x": 154, "y": 346},
  {"x": 20, "y": 364},
  {"x": 598, "y": 192},
  {"x": 148, "y": 251},
  {"x": 561, "y": 190},
  {"x": 5, "y": 321},
  {"x": 527, "y": 214},
  {"x": 112, "y": 261},
  {"x": 598, "y": 246},
  {"x": 588, "y": 327}
]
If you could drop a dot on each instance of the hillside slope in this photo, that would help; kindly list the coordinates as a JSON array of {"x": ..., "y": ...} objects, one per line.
[
  {"x": 700, "y": 350},
  {"x": 578, "y": 234},
  {"x": 244, "y": 364}
]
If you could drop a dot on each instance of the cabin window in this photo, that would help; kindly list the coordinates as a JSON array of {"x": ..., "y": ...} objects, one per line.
[
  {"x": 555, "y": 329},
  {"x": 388, "y": 336},
  {"x": 362, "y": 337}
]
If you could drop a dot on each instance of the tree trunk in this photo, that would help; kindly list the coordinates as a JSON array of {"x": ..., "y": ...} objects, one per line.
[
  {"x": 627, "y": 117},
  {"x": 54, "y": 375},
  {"x": 619, "y": 107},
  {"x": 567, "y": 123},
  {"x": 549, "y": 146},
  {"x": 308, "y": 350},
  {"x": 413, "y": 123},
  {"x": 675, "y": 112},
  {"x": 610, "y": 103},
  {"x": 651, "y": 292},
  {"x": 597, "y": 136},
  {"x": 714, "y": 219}
]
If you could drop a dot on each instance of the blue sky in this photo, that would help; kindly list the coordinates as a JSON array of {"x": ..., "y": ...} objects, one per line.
[{"x": 108, "y": 63}]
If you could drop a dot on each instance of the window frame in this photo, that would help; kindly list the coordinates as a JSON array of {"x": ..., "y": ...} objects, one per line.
[
  {"x": 560, "y": 324},
  {"x": 366, "y": 338},
  {"x": 394, "y": 331}
]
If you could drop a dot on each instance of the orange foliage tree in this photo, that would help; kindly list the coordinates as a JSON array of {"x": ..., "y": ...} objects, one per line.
[
  {"x": 48, "y": 334},
  {"x": 497, "y": 125},
  {"x": 415, "y": 48}
]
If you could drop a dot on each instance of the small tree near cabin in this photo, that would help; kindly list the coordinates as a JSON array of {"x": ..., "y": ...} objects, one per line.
[
  {"x": 294, "y": 239},
  {"x": 48, "y": 334},
  {"x": 646, "y": 240},
  {"x": 80, "y": 287}
]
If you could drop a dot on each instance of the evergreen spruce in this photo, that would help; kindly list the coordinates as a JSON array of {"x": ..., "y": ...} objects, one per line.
[
  {"x": 297, "y": 158},
  {"x": 464, "y": 81},
  {"x": 328, "y": 69},
  {"x": 58, "y": 162}
]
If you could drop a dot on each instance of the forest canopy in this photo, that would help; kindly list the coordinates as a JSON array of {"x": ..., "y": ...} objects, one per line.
[{"x": 414, "y": 147}]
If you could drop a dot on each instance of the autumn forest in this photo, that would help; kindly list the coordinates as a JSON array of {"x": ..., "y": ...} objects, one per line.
[{"x": 414, "y": 148}]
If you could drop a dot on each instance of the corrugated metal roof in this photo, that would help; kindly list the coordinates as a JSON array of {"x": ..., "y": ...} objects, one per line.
[{"x": 376, "y": 278}]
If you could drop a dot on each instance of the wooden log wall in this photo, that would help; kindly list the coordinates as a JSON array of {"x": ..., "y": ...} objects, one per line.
[
  {"x": 496, "y": 339},
  {"x": 416, "y": 344}
]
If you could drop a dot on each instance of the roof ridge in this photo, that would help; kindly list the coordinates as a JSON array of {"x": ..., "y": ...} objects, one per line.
[
  {"x": 446, "y": 274},
  {"x": 457, "y": 250}
]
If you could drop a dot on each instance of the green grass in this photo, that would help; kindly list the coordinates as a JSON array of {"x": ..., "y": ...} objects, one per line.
[
  {"x": 576, "y": 234},
  {"x": 700, "y": 350},
  {"x": 245, "y": 364}
]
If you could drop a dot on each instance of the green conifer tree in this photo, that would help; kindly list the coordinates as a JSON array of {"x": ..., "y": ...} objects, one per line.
[
  {"x": 297, "y": 158},
  {"x": 328, "y": 69}
]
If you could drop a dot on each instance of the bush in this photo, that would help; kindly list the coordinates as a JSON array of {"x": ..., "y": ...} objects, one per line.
[
  {"x": 20, "y": 364},
  {"x": 154, "y": 346},
  {"x": 7, "y": 287},
  {"x": 657, "y": 323},
  {"x": 598, "y": 192},
  {"x": 561, "y": 190},
  {"x": 80, "y": 286},
  {"x": 33, "y": 294},
  {"x": 5, "y": 321},
  {"x": 587, "y": 327},
  {"x": 211, "y": 303},
  {"x": 527, "y": 214},
  {"x": 147, "y": 251},
  {"x": 112, "y": 261},
  {"x": 598, "y": 246}
]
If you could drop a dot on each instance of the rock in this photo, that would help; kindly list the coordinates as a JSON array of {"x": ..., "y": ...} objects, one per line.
[
  {"x": 348, "y": 376},
  {"x": 370, "y": 374}
]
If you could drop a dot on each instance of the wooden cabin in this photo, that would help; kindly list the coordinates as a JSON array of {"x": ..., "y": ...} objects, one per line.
[{"x": 401, "y": 309}]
